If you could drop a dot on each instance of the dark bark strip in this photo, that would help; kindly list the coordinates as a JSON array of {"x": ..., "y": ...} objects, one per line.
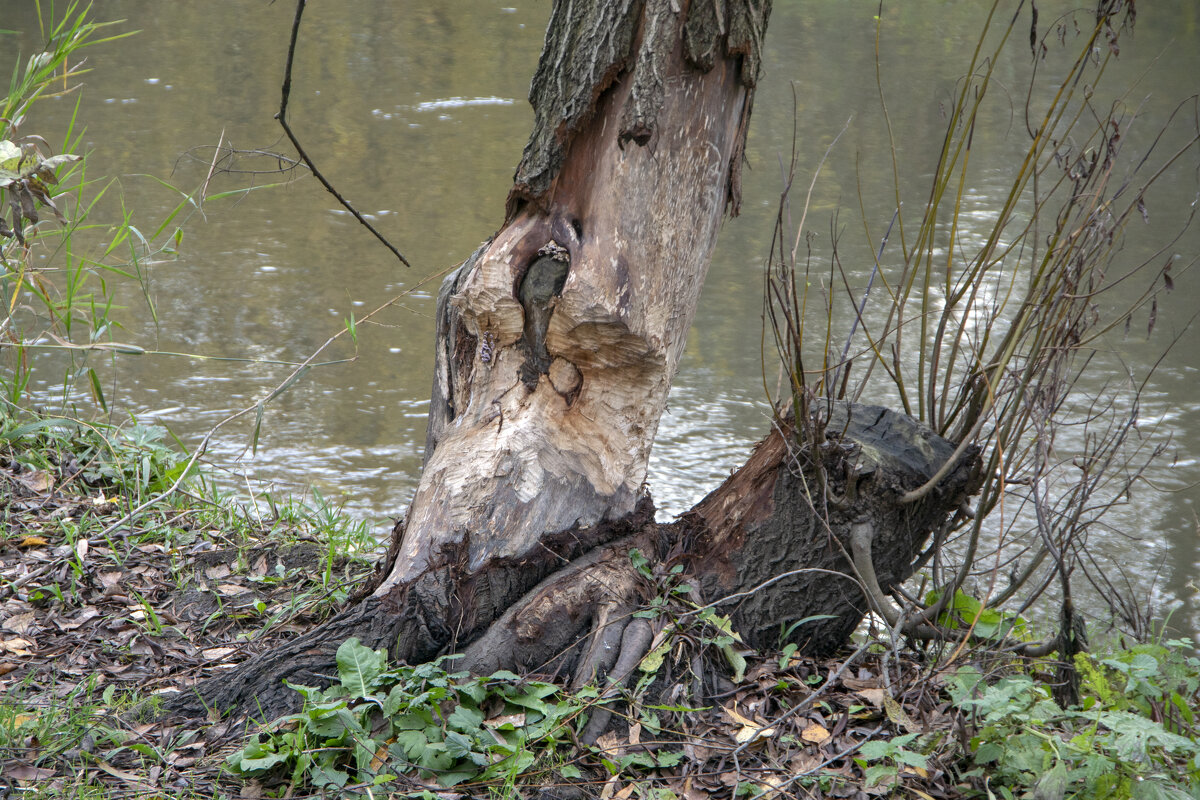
[{"x": 589, "y": 44}]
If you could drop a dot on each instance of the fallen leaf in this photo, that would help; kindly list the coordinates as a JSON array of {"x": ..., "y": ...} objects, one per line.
[
  {"x": 19, "y": 623},
  {"x": 380, "y": 758},
  {"x": 804, "y": 762},
  {"x": 214, "y": 653},
  {"x": 231, "y": 589},
  {"x": 28, "y": 772},
  {"x": 817, "y": 734},
  {"x": 609, "y": 742},
  {"x": 217, "y": 571},
  {"x": 38, "y": 481},
  {"x": 732, "y": 713},
  {"x": 253, "y": 790},
  {"x": 516, "y": 720},
  {"x": 896, "y": 713},
  {"x": 750, "y": 730},
  {"x": 130, "y": 779},
  {"x": 17, "y": 646},
  {"x": 872, "y": 696}
]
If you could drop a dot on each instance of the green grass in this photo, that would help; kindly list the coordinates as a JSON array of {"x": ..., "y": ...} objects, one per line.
[{"x": 64, "y": 489}]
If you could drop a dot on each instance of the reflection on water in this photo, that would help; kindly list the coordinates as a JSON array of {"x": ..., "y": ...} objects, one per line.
[{"x": 416, "y": 112}]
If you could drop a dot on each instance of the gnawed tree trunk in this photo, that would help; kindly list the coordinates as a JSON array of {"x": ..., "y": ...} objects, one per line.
[
  {"x": 557, "y": 343},
  {"x": 763, "y": 542}
]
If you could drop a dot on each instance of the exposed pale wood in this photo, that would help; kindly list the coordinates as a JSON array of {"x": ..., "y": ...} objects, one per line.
[{"x": 635, "y": 197}]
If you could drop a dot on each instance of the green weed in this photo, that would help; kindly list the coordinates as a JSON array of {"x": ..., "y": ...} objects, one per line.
[
  {"x": 380, "y": 722},
  {"x": 1123, "y": 741}
]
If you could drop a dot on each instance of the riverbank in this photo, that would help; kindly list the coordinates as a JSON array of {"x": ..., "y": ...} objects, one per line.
[{"x": 103, "y": 615}]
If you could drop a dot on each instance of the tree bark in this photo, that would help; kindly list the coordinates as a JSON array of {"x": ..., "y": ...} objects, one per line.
[{"x": 557, "y": 343}]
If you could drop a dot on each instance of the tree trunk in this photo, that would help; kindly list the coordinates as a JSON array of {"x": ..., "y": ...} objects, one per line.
[{"x": 557, "y": 343}]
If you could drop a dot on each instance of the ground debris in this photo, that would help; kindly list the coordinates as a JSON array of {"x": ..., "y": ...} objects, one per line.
[{"x": 96, "y": 626}]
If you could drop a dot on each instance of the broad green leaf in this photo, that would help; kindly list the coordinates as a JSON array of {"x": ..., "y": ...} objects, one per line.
[
  {"x": 875, "y": 749},
  {"x": 1053, "y": 784},
  {"x": 988, "y": 752},
  {"x": 328, "y": 776},
  {"x": 878, "y": 775},
  {"x": 411, "y": 743},
  {"x": 458, "y": 746},
  {"x": 736, "y": 660},
  {"x": 435, "y": 758},
  {"x": 912, "y": 759},
  {"x": 396, "y": 699},
  {"x": 1155, "y": 790},
  {"x": 359, "y": 666},
  {"x": 654, "y": 659},
  {"x": 465, "y": 719},
  {"x": 262, "y": 762},
  {"x": 448, "y": 778}
]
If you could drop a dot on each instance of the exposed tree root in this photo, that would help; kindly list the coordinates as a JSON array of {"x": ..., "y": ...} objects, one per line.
[{"x": 761, "y": 523}]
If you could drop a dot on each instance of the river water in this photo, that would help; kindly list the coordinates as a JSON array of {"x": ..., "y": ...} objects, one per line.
[{"x": 417, "y": 112}]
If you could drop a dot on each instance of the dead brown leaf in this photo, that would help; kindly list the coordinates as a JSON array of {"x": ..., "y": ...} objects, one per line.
[
  {"x": 217, "y": 571},
  {"x": 216, "y": 653},
  {"x": 38, "y": 481},
  {"x": 17, "y": 646},
  {"x": 20, "y": 623},
  {"x": 129, "y": 778},
  {"x": 27, "y": 772},
  {"x": 609, "y": 742},
  {"x": 896, "y": 713},
  {"x": 815, "y": 733},
  {"x": 861, "y": 683},
  {"x": 86, "y": 614},
  {"x": 516, "y": 720}
]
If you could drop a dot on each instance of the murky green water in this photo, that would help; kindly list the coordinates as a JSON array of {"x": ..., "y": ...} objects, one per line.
[{"x": 417, "y": 112}]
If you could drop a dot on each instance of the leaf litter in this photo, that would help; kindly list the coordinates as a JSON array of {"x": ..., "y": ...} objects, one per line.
[{"x": 86, "y": 623}]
